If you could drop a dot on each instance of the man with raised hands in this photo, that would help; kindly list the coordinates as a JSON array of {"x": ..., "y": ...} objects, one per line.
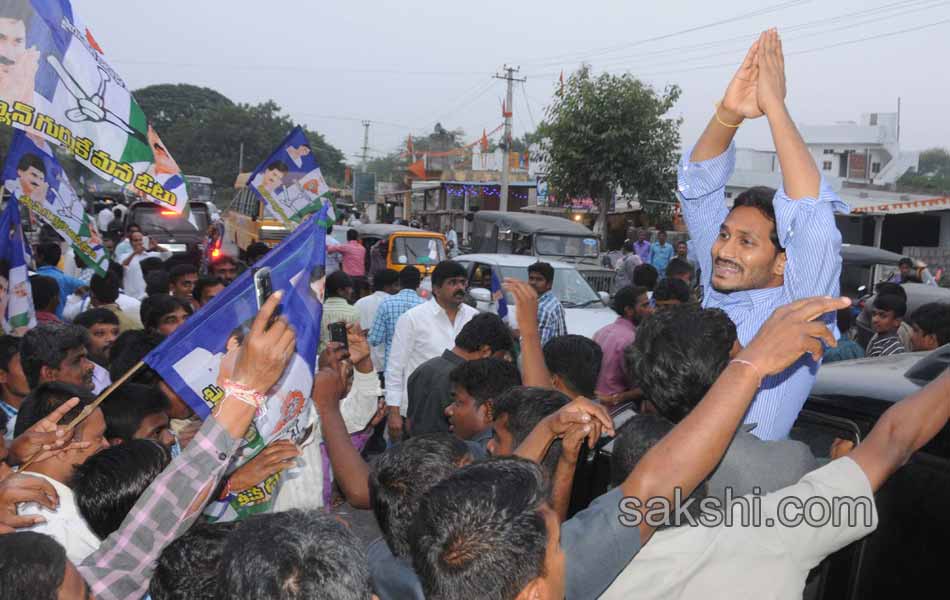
[{"x": 773, "y": 246}]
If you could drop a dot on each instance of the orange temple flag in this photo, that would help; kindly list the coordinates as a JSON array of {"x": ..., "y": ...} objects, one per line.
[{"x": 418, "y": 169}]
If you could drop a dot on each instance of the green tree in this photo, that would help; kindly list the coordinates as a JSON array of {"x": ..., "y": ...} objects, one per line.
[
  {"x": 934, "y": 161},
  {"x": 606, "y": 133},
  {"x": 932, "y": 175},
  {"x": 204, "y": 131}
]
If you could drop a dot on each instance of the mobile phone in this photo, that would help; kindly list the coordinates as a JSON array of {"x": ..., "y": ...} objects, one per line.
[
  {"x": 263, "y": 288},
  {"x": 145, "y": 241},
  {"x": 338, "y": 333}
]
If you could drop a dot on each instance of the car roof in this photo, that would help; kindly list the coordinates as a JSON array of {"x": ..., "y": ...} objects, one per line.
[
  {"x": 510, "y": 260},
  {"x": 882, "y": 378},
  {"x": 855, "y": 254},
  {"x": 383, "y": 230},
  {"x": 532, "y": 223}
]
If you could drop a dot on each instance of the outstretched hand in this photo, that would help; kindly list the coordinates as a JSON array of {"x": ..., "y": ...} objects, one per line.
[
  {"x": 267, "y": 350},
  {"x": 46, "y": 438},
  {"x": 790, "y": 332}
]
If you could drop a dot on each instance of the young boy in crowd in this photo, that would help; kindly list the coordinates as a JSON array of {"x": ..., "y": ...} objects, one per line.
[{"x": 886, "y": 318}]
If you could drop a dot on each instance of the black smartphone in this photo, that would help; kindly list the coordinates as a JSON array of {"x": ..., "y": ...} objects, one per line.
[
  {"x": 338, "y": 334},
  {"x": 263, "y": 288}
]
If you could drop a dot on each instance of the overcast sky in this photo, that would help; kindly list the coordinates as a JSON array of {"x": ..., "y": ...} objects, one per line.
[{"x": 406, "y": 64}]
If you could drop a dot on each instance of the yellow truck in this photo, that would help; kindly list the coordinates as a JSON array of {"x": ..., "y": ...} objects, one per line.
[{"x": 247, "y": 221}]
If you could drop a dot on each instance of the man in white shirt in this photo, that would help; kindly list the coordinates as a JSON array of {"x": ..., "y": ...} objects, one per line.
[
  {"x": 65, "y": 524},
  {"x": 104, "y": 218},
  {"x": 334, "y": 260},
  {"x": 385, "y": 284},
  {"x": 424, "y": 332},
  {"x": 134, "y": 281}
]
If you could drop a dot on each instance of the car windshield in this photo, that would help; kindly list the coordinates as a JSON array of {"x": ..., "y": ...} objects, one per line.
[
  {"x": 569, "y": 287},
  {"x": 154, "y": 219},
  {"x": 418, "y": 251},
  {"x": 200, "y": 192},
  {"x": 563, "y": 245}
]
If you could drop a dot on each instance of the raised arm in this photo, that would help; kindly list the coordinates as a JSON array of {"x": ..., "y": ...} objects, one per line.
[
  {"x": 534, "y": 372},
  {"x": 800, "y": 176},
  {"x": 739, "y": 103},
  {"x": 902, "y": 430},
  {"x": 687, "y": 455}
]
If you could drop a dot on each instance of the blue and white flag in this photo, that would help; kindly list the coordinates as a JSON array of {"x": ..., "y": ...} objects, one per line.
[
  {"x": 35, "y": 178},
  {"x": 199, "y": 356},
  {"x": 289, "y": 181},
  {"x": 16, "y": 298},
  {"x": 498, "y": 295},
  {"x": 57, "y": 83}
]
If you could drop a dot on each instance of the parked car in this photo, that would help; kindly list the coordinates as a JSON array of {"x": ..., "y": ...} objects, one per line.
[
  {"x": 904, "y": 554},
  {"x": 585, "y": 310},
  {"x": 546, "y": 238}
]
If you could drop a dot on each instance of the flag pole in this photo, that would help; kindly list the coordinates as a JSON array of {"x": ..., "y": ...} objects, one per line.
[{"x": 91, "y": 407}]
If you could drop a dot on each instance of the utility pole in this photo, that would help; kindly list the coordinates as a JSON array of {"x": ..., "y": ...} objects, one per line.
[
  {"x": 365, "y": 144},
  {"x": 241, "y": 159},
  {"x": 509, "y": 76}
]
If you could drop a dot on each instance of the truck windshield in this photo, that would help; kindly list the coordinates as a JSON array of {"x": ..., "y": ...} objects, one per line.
[
  {"x": 562, "y": 245},
  {"x": 200, "y": 192},
  {"x": 418, "y": 251}
]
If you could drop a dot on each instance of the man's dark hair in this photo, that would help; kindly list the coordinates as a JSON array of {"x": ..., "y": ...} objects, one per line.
[
  {"x": 628, "y": 246},
  {"x": 678, "y": 354},
  {"x": 308, "y": 554},
  {"x": 128, "y": 350},
  {"x": 336, "y": 283},
  {"x": 21, "y": 10},
  {"x": 447, "y": 269},
  {"x": 188, "y": 567},
  {"x": 203, "y": 283},
  {"x": 485, "y": 329},
  {"x": 48, "y": 253},
  {"x": 9, "y": 347},
  {"x": 130, "y": 226},
  {"x": 384, "y": 278},
  {"x": 671, "y": 289},
  {"x": 278, "y": 165},
  {"x": 627, "y": 297},
  {"x": 105, "y": 289},
  {"x": 481, "y": 532},
  {"x": 180, "y": 270},
  {"x": 255, "y": 251},
  {"x": 634, "y": 439},
  {"x": 150, "y": 264},
  {"x": 905, "y": 262},
  {"x": 48, "y": 345},
  {"x": 32, "y": 565},
  {"x": 486, "y": 378},
  {"x": 892, "y": 303},
  {"x": 890, "y": 288},
  {"x": 760, "y": 197},
  {"x": 224, "y": 258},
  {"x": 111, "y": 481},
  {"x": 45, "y": 292},
  {"x": 645, "y": 276},
  {"x": 157, "y": 282},
  {"x": 575, "y": 359},
  {"x": 679, "y": 267},
  {"x": 403, "y": 474},
  {"x": 127, "y": 406},
  {"x": 352, "y": 235},
  {"x": 932, "y": 318},
  {"x": 543, "y": 269},
  {"x": 157, "y": 306},
  {"x": 96, "y": 316},
  {"x": 526, "y": 407},
  {"x": 409, "y": 278},
  {"x": 46, "y": 398}
]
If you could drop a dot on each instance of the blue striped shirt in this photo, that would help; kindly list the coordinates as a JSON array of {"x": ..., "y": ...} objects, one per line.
[
  {"x": 806, "y": 229},
  {"x": 551, "y": 321},
  {"x": 384, "y": 325}
]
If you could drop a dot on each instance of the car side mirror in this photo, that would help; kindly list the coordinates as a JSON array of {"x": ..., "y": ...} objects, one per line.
[
  {"x": 605, "y": 297},
  {"x": 480, "y": 294}
]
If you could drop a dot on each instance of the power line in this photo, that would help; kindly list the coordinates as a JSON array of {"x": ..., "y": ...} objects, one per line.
[
  {"x": 609, "y": 49},
  {"x": 524, "y": 94}
]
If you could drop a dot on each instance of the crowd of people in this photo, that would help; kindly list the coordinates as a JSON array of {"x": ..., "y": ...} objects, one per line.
[{"x": 460, "y": 434}]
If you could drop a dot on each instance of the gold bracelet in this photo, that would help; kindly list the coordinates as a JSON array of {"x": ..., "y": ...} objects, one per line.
[{"x": 736, "y": 126}]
